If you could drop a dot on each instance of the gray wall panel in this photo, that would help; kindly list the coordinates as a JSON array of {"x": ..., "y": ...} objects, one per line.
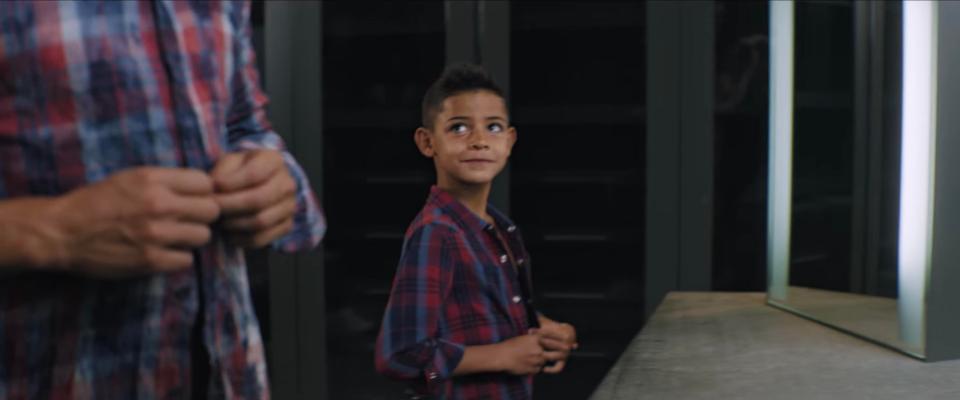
[{"x": 943, "y": 294}]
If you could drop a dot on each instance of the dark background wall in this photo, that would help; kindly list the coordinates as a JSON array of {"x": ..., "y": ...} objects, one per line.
[{"x": 640, "y": 167}]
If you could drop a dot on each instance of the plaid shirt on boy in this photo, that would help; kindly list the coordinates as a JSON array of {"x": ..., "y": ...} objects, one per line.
[
  {"x": 456, "y": 285},
  {"x": 90, "y": 88}
]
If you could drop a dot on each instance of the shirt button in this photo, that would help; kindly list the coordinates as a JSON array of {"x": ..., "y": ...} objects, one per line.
[
  {"x": 516, "y": 299},
  {"x": 432, "y": 375},
  {"x": 503, "y": 258},
  {"x": 511, "y": 228}
]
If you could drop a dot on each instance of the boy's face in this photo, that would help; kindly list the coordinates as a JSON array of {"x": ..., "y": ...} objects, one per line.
[{"x": 471, "y": 139}]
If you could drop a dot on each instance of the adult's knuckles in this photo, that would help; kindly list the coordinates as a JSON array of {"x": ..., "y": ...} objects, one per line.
[
  {"x": 154, "y": 258},
  {"x": 269, "y": 236},
  {"x": 288, "y": 185},
  {"x": 260, "y": 221},
  {"x": 176, "y": 261},
  {"x": 252, "y": 176},
  {"x": 149, "y": 232},
  {"x": 207, "y": 210},
  {"x": 176, "y": 264},
  {"x": 182, "y": 234},
  {"x": 269, "y": 158},
  {"x": 143, "y": 175},
  {"x": 265, "y": 238},
  {"x": 156, "y": 201},
  {"x": 292, "y": 205},
  {"x": 284, "y": 229},
  {"x": 266, "y": 163},
  {"x": 201, "y": 236},
  {"x": 260, "y": 242},
  {"x": 241, "y": 202},
  {"x": 262, "y": 198}
]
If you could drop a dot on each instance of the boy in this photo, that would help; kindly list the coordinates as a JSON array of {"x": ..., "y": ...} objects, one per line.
[{"x": 460, "y": 322}]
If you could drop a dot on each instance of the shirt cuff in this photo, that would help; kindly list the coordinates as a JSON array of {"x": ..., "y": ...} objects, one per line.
[{"x": 447, "y": 356}]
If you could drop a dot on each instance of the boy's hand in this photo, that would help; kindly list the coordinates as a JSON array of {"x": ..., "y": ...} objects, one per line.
[
  {"x": 558, "y": 339},
  {"x": 257, "y": 196},
  {"x": 522, "y": 355}
]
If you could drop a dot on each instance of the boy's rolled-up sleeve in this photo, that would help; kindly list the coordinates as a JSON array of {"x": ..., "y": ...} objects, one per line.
[
  {"x": 409, "y": 346},
  {"x": 249, "y": 129}
]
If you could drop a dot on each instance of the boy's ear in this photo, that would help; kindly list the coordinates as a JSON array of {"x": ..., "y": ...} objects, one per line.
[
  {"x": 424, "y": 142},
  {"x": 511, "y": 139}
]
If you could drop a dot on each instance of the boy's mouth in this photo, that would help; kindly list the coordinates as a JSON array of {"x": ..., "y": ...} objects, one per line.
[{"x": 477, "y": 160}]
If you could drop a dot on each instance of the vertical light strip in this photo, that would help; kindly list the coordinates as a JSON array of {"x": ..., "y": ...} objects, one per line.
[
  {"x": 780, "y": 174},
  {"x": 917, "y": 164}
]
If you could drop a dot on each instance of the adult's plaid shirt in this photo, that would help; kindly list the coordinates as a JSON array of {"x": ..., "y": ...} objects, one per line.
[{"x": 90, "y": 88}]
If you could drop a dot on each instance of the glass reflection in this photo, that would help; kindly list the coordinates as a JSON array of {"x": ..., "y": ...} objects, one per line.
[{"x": 845, "y": 169}]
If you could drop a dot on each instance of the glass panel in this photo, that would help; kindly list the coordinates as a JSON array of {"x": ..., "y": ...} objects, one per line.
[
  {"x": 846, "y": 168},
  {"x": 823, "y": 146},
  {"x": 378, "y": 59},
  {"x": 578, "y": 96},
  {"x": 740, "y": 129}
]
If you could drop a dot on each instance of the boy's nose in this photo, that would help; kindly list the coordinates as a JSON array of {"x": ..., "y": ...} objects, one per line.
[
  {"x": 478, "y": 140},
  {"x": 479, "y": 145}
]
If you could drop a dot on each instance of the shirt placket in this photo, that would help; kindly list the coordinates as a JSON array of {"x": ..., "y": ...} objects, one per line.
[{"x": 507, "y": 259}]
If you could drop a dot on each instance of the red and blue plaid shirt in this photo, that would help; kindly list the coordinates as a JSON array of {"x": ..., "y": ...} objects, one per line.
[
  {"x": 457, "y": 284},
  {"x": 89, "y": 88}
]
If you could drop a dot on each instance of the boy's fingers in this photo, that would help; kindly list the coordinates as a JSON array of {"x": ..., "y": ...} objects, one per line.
[
  {"x": 555, "y": 368},
  {"x": 554, "y": 344},
  {"x": 555, "y": 356},
  {"x": 562, "y": 330},
  {"x": 555, "y": 332}
]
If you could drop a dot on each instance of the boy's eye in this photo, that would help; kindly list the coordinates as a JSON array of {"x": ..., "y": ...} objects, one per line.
[
  {"x": 458, "y": 128},
  {"x": 495, "y": 128}
]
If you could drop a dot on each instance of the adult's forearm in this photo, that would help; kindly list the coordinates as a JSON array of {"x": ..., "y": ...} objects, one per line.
[{"x": 28, "y": 234}]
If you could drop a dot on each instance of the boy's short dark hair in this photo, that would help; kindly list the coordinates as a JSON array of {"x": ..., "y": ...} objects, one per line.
[{"x": 455, "y": 79}]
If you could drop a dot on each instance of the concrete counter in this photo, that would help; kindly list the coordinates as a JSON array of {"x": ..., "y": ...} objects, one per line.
[{"x": 716, "y": 345}]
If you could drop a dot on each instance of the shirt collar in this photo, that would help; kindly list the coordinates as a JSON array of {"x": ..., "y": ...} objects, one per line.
[{"x": 466, "y": 218}]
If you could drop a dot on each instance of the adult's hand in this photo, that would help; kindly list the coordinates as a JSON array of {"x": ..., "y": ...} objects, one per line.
[
  {"x": 257, "y": 196},
  {"x": 136, "y": 221}
]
